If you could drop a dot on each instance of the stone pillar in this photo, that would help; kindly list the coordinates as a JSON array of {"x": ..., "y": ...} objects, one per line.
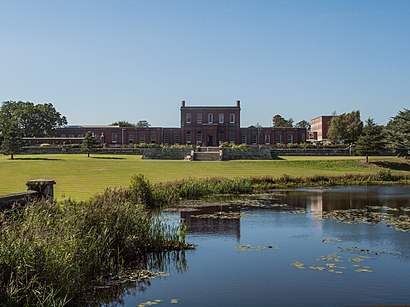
[{"x": 45, "y": 188}]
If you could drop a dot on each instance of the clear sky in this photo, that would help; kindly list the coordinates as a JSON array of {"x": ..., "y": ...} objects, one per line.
[{"x": 103, "y": 61}]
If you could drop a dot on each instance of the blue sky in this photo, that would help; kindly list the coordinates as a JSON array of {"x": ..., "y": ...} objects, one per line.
[{"x": 104, "y": 61}]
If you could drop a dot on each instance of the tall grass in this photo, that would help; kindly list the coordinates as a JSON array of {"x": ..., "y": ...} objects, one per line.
[{"x": 50, "y": 255}]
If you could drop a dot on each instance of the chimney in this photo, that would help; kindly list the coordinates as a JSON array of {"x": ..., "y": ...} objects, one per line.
[
  {"x": 238, "y": 103},
  {"x": 183, "y": 104}
]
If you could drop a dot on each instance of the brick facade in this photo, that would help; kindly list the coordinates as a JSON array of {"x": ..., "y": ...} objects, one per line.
[
  {"x": 319, "y": 127},
  {"x": 199, "y": 125}
]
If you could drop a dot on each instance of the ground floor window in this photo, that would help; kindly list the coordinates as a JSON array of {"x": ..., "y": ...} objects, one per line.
[
  {"x": 244, "y": 139},
  {"x": 142, "y": 138},
  {"x": 166, "y": 138},
  {"x": 176, "y": 139},
  {"x": 278, "y": 139},
  {"x": 114, "y": 138},
  {"x": 232, "y": 136},
  {"x": 188, "y": 137},
  {"x": 130, "y": 138},
  {"x": 254, "y": 139},
  {"x": 290, "y": 138},
  {"x": 199, "y": 136},
  {"x": 153, "y": 138}
]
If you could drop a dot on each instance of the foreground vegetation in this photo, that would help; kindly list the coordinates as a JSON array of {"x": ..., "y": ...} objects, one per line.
[
  {"x": 52, "y": 255},
  {"x": 79, "y": 177}
]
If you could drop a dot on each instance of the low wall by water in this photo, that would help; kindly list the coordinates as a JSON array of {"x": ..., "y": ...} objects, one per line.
[
  {"x": 69, "y": 150},
  {"x": 311, "y": 152},
  {"x": 37, "y": 189}
]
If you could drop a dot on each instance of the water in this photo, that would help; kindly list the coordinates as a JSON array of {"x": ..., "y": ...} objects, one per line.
[{"x": 247, "y": 261}]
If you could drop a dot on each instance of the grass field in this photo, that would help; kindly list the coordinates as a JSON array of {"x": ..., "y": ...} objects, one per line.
[{"x": 79, "y": 177}]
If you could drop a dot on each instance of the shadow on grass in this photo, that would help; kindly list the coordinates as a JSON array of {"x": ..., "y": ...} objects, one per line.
[
  {"x": 37, "y": 159},
  {"x": 277, "y": 158},
  {"x": 398, "y": 166},
  {"x": 108, "y": 158}
]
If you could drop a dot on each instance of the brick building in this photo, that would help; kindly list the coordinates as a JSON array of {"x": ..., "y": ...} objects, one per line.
[
  {"x": 319, "y": 128},
  {"x": 199, "y": 125}
]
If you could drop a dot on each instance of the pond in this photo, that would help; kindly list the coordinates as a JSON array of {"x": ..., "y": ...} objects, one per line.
[{"x": 345, "y": 246}]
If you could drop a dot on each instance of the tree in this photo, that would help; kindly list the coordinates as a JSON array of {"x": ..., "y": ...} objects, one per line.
[
  {"x": 279, "y": 121},
  {"x": 397, "y": 133},
  {"x": 143, "y": 124},
  {"x": 345, "y": 128},
  {"x": 123, "y": 123},
  {"x": 12, "y": 139},
  {"x": 371, "y": 140},
  {"x": 89, "y": 143},
  {"x": 303, "y": 124},
  {"x": 33, "y": 120}
]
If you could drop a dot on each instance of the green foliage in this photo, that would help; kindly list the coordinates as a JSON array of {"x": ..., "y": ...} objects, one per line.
[
  {"x": 371, "y": 141},
  {"x": 398, "y": 133},
  {"x": 303, "y": 124},
  {"x": 33, "y": 120},
  {"x": 89, "y": 143},
  {"x": 345, "y": 128},
  {"x": 12, "y": 142},
  {"x": 146, "y": 145},
  {"x": 141, "y": 190},
  {"x": 50, "y": 256},
  {"x": 143, "y": 124},
  {"x": 123, "y": 123},
  {"x": 278, "y": 121},
  {"x": 233, "y": 146}
]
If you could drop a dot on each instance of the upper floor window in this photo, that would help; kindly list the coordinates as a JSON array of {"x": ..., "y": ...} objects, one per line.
[
  {"x": 188, "y": 118},
  {"x": 199, "y": 118},
  {"x": 210, "y": 118},
  {"x": 232, "y": 118},
  {"x": 221, "y": 118},
  {"x": 114, "y": 138}
]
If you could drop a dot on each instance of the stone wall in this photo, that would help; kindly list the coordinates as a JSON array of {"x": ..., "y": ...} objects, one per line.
[
  {"x": 166, "y": 153},
  {"x": 69, "y": 150},
  {"x": 251, "y": 153},
  {"x": 37, "y": 189},
  {"x": 311, "y": 152}
]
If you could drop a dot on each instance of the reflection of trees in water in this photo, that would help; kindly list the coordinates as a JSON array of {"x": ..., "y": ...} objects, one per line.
[{"x": 112, "y": 290}]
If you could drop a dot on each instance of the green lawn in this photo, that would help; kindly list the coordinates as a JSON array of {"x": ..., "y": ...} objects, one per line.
[{"x": 79, "y": 177}]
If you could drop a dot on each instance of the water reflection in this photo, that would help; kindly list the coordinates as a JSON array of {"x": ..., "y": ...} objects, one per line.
[{"x": 136, "y": 279}]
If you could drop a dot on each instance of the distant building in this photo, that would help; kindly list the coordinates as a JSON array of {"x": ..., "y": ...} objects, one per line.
[
  {"x": 199, "y": 125},
  {"x": 319, "y": 128}
]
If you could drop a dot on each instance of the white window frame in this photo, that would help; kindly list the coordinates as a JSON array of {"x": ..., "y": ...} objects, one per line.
[
  {"x": 221, "y": 117},
  {"x": 210, "y": 118},
  {"x": 267, "y": 138},
  {"x": 114, "y": 137},
  {"x": 232, "y": 118},
  {"x": 188, "y": 118},
  {"x": 199, "y": 118}
]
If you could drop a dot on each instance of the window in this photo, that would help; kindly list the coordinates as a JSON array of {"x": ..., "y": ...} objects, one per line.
[
  {"x": 71, "y": 135},
  {"x": 153, "y": 138},
  {"x": 63, "y": 136},
  {"x": 199, "y": 118},
  {"x": 80, "y": 135},
  {"x": 210, "y": 118},
  {"x": 166, "y": 138},
  {"x": 221, "y": 137},
  {"x": 232, "y": 136},
  {"x": 176, "y": 139},
  {"x": 232, "y": 118},
  {"x": 188, "y": 118},
  {"x": 199, "y": 136},
  {"x": 303, "y": 137},
  {"x": 142, "y": 138},
  {"x": 221, "y": 118},
  {"x": 254, "y": 139},
  {"x": 130, "y": 138},
  {"x": 267, "y": 138},
  {"x": 290, "y": 138},
  {"x": 278, "y": 138},
  {"x": 188, "y": 137},
  {"x": 244, "y": 139},
  {"x": 114, "y": 138}
]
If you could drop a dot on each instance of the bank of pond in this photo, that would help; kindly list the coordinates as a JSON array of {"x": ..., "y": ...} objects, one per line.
[{"x": 92, "y": 252}]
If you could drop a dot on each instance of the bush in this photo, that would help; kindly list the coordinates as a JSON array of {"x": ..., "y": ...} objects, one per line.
[{"x": 141, "y": 191}]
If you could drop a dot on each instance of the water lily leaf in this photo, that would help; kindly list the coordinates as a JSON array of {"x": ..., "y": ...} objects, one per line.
[{"x": 174, "y": 301}]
